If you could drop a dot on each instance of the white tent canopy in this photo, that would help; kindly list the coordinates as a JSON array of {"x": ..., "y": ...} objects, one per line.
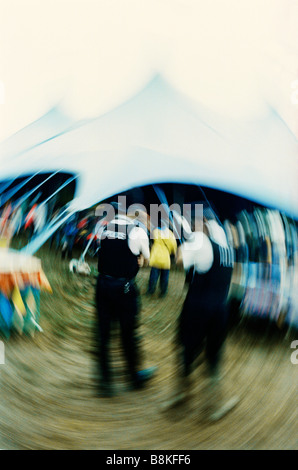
[
  {"x": 159, "y": 136},
  {"x": 53, "y": 123}
]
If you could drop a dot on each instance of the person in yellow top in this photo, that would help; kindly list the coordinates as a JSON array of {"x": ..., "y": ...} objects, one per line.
[{"x": 164, "y": 245}]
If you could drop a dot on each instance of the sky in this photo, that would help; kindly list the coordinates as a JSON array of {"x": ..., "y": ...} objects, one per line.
[{"x": 236, "y": 57}]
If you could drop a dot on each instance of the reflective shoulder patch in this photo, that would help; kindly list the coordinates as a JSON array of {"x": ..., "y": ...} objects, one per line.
[{"x": 114, "y": 235}]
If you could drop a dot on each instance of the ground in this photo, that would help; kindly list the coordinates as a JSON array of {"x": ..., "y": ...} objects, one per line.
[{"x": 48, "y": 398}]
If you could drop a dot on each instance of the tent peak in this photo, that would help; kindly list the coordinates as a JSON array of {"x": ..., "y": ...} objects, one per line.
[{"x": 54, "y": 115}]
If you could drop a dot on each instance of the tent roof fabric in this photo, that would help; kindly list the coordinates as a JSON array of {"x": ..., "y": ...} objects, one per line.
[
  {"x": 160, "y": 136},
  {"x": 51, "y": 124}
]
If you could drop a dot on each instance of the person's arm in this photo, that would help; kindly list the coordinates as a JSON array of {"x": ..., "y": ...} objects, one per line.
[
  {"x": 171, "y": 244},
  {"x": 144, "y": 251},
  {"x": 179, "y": 257},
  {"x": 139, "y": 245},
  {"x": 141, "y": 261}
]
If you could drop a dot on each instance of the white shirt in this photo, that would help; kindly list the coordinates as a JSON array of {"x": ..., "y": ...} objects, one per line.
[
  {"x": 197, "y": 252},
  {"x": 138, "y": 240},
  {"x": 217, "y": 233}
]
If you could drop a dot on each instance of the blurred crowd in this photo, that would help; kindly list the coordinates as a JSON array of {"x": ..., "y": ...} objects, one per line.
[
  {"x": 29, "y": 218},
  {"x": 21, "y": 218},
  {"x": 264, "y": 281}
]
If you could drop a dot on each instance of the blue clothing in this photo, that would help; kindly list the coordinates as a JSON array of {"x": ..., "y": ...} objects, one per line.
[{"x": 164, "y": 280}]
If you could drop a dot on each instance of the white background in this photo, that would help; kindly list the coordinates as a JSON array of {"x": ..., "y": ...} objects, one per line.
[{"x": 236, "y": 57}]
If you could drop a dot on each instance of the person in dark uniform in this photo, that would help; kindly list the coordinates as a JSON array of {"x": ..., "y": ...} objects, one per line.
[
  {"x": 124, "y": 248},
  {"x": 203, "y": 321}
]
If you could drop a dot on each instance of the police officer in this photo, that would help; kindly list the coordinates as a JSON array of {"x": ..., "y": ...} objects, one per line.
[
  {"x": 204, "y": 318},
  {"x": 124, "y": 247}
]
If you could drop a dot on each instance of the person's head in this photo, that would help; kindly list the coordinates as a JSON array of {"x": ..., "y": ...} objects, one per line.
[
  {"x": 138, "y": 214},
  {"x": 107, "y": 211}
]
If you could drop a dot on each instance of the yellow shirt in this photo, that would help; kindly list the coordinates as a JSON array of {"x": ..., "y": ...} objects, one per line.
[{"x": 163, "y": 247}]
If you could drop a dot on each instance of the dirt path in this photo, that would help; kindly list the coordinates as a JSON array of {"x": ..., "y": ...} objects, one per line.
[{"x": 48, "y": 391}]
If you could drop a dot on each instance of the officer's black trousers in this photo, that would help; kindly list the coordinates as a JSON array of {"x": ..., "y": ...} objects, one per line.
[
  {"x": 117, "y": 300},
  {"x": 202, "y": 324}
]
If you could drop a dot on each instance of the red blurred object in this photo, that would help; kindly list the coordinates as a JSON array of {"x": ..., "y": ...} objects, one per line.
[{"x": 30, "y": 216}]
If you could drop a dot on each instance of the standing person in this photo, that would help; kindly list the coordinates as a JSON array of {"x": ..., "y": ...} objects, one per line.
[
  {"x": 204, "y": 318},
  {"x": 69, "y": 237},
  {"x": 30, "y": 221},
  {"x": 5, "y": 231},
  {"x": 17, "y": 219},
  {"x": 40, "y": 217},
  {"x": 57, "y": 235},
  {"x": 164, "y": 246},
  {"x": 123, "y": 249}
]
